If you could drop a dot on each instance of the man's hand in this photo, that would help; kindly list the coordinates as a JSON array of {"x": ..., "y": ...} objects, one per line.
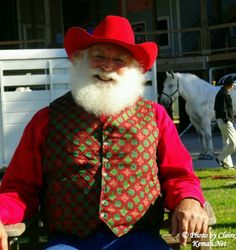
[
  {"x": 3, "y": 238},
  {"x": 187, "y": 218}
]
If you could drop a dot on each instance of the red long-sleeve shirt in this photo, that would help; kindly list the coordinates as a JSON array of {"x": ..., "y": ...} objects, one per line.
[{"x": 23, "y": 181}]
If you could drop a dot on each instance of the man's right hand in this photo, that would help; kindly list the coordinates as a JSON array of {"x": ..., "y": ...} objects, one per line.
[{"x": 3, "y": 238}]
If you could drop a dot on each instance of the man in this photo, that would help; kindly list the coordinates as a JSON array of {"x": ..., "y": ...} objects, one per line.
[
  {"x": 224, "y": 115},
  {"x": 101, "y": 156}
]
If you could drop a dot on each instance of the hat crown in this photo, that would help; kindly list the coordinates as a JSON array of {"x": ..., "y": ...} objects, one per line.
[
  {"x": 228, "y": 80},
  {"x": 115, "y": 27},
  {"x": 116, "y": 30}
]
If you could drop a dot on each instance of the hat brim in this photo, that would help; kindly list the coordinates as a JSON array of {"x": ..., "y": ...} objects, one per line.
[{"x": 79, "y": 39}]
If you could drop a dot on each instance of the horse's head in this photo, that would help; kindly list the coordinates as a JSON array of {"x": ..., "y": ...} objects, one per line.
[{"x": 170, "y": 90}]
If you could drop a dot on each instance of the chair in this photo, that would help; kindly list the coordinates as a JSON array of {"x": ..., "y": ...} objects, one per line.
[{"x": 25, "y": 235}]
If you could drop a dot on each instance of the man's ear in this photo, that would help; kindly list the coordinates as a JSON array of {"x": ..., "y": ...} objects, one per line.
[{"x": 76, "y": 55}]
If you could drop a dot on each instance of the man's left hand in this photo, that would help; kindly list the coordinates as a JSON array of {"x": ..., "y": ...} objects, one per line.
[{"x": 189, "y": 217}]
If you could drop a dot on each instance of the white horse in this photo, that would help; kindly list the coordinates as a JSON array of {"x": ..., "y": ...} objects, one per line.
[{"x": 199, "y": 96}]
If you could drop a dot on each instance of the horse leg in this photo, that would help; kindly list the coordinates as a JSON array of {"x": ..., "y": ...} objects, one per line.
[
  {"x": 207, "y": 134},
  {"x": 196, "y": 124},
  {"x": 196, "y": 121}
]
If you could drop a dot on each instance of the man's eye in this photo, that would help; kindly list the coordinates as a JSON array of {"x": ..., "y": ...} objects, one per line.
[
  {"x": 119, "y": 61},
  {"x": 100, "y": 57}
]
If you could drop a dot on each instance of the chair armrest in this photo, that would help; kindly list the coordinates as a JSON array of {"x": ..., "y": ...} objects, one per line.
[
  {"x": 211, "y": 215},
  {"x": 174, "y": 241},
  {"x": 15, "y": 230},
  {"x": 207, "y": 207}
]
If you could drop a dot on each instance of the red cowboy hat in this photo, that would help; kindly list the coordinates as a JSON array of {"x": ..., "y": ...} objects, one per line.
[{"x": 116, "y": 30}]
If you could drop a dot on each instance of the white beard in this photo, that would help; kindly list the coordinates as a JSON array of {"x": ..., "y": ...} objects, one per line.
[{"x": 106, "y": 97}]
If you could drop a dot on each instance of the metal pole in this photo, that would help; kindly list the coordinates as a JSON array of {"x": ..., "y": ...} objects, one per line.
[{"x": 123, "y": 7}]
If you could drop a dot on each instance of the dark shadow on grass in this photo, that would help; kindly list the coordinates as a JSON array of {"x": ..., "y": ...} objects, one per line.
[
  {"x": 203, "y": 177},
  {"x": 220, "y": 187},
  {"x": 224, "y": 225},
  {"x": 218, "y": 177}
]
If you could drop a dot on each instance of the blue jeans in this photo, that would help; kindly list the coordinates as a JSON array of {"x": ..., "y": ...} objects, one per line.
[{"x": 104, "y": 239}]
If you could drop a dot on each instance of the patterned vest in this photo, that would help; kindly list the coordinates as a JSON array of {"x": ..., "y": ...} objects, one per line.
[{"x": 98, "y": 171}]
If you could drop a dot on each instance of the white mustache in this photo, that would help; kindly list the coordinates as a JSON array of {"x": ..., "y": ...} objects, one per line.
[
  {"x": 104, "y": 76},
  {"x": 102, "y": 92}
]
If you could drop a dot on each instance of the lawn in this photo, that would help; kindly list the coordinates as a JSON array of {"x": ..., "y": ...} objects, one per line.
[{"x": 219, "y": 187}]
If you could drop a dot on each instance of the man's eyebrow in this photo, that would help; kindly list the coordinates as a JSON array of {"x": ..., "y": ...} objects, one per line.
[{"x": 96, "y": 49}]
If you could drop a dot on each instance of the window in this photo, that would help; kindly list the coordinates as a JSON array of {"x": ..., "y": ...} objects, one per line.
[
  {"x": 163, "y": 25},
  {"x": 139, "y": 27}
]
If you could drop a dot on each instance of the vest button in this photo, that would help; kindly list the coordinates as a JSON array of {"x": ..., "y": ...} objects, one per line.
[
  {"x": 104, "y": 215},
  {"x": 104, "y": 202},
  {"x": 104, "y": 174}
]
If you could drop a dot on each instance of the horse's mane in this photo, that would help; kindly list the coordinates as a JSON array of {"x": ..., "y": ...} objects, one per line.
[{"x": 189, "y": 77}]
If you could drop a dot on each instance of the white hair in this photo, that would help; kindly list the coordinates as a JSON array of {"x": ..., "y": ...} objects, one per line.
[{"x": 108, "y": 98}]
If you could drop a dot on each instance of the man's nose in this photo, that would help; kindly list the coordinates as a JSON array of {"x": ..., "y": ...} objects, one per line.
[{"x": 108, "y": 65}]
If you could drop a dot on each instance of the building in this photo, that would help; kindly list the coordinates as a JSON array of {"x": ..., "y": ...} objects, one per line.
[{"x": 197, "y": 36}]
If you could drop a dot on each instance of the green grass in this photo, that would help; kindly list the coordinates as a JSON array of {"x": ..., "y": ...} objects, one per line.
[{"x": 219, "y": 187}]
